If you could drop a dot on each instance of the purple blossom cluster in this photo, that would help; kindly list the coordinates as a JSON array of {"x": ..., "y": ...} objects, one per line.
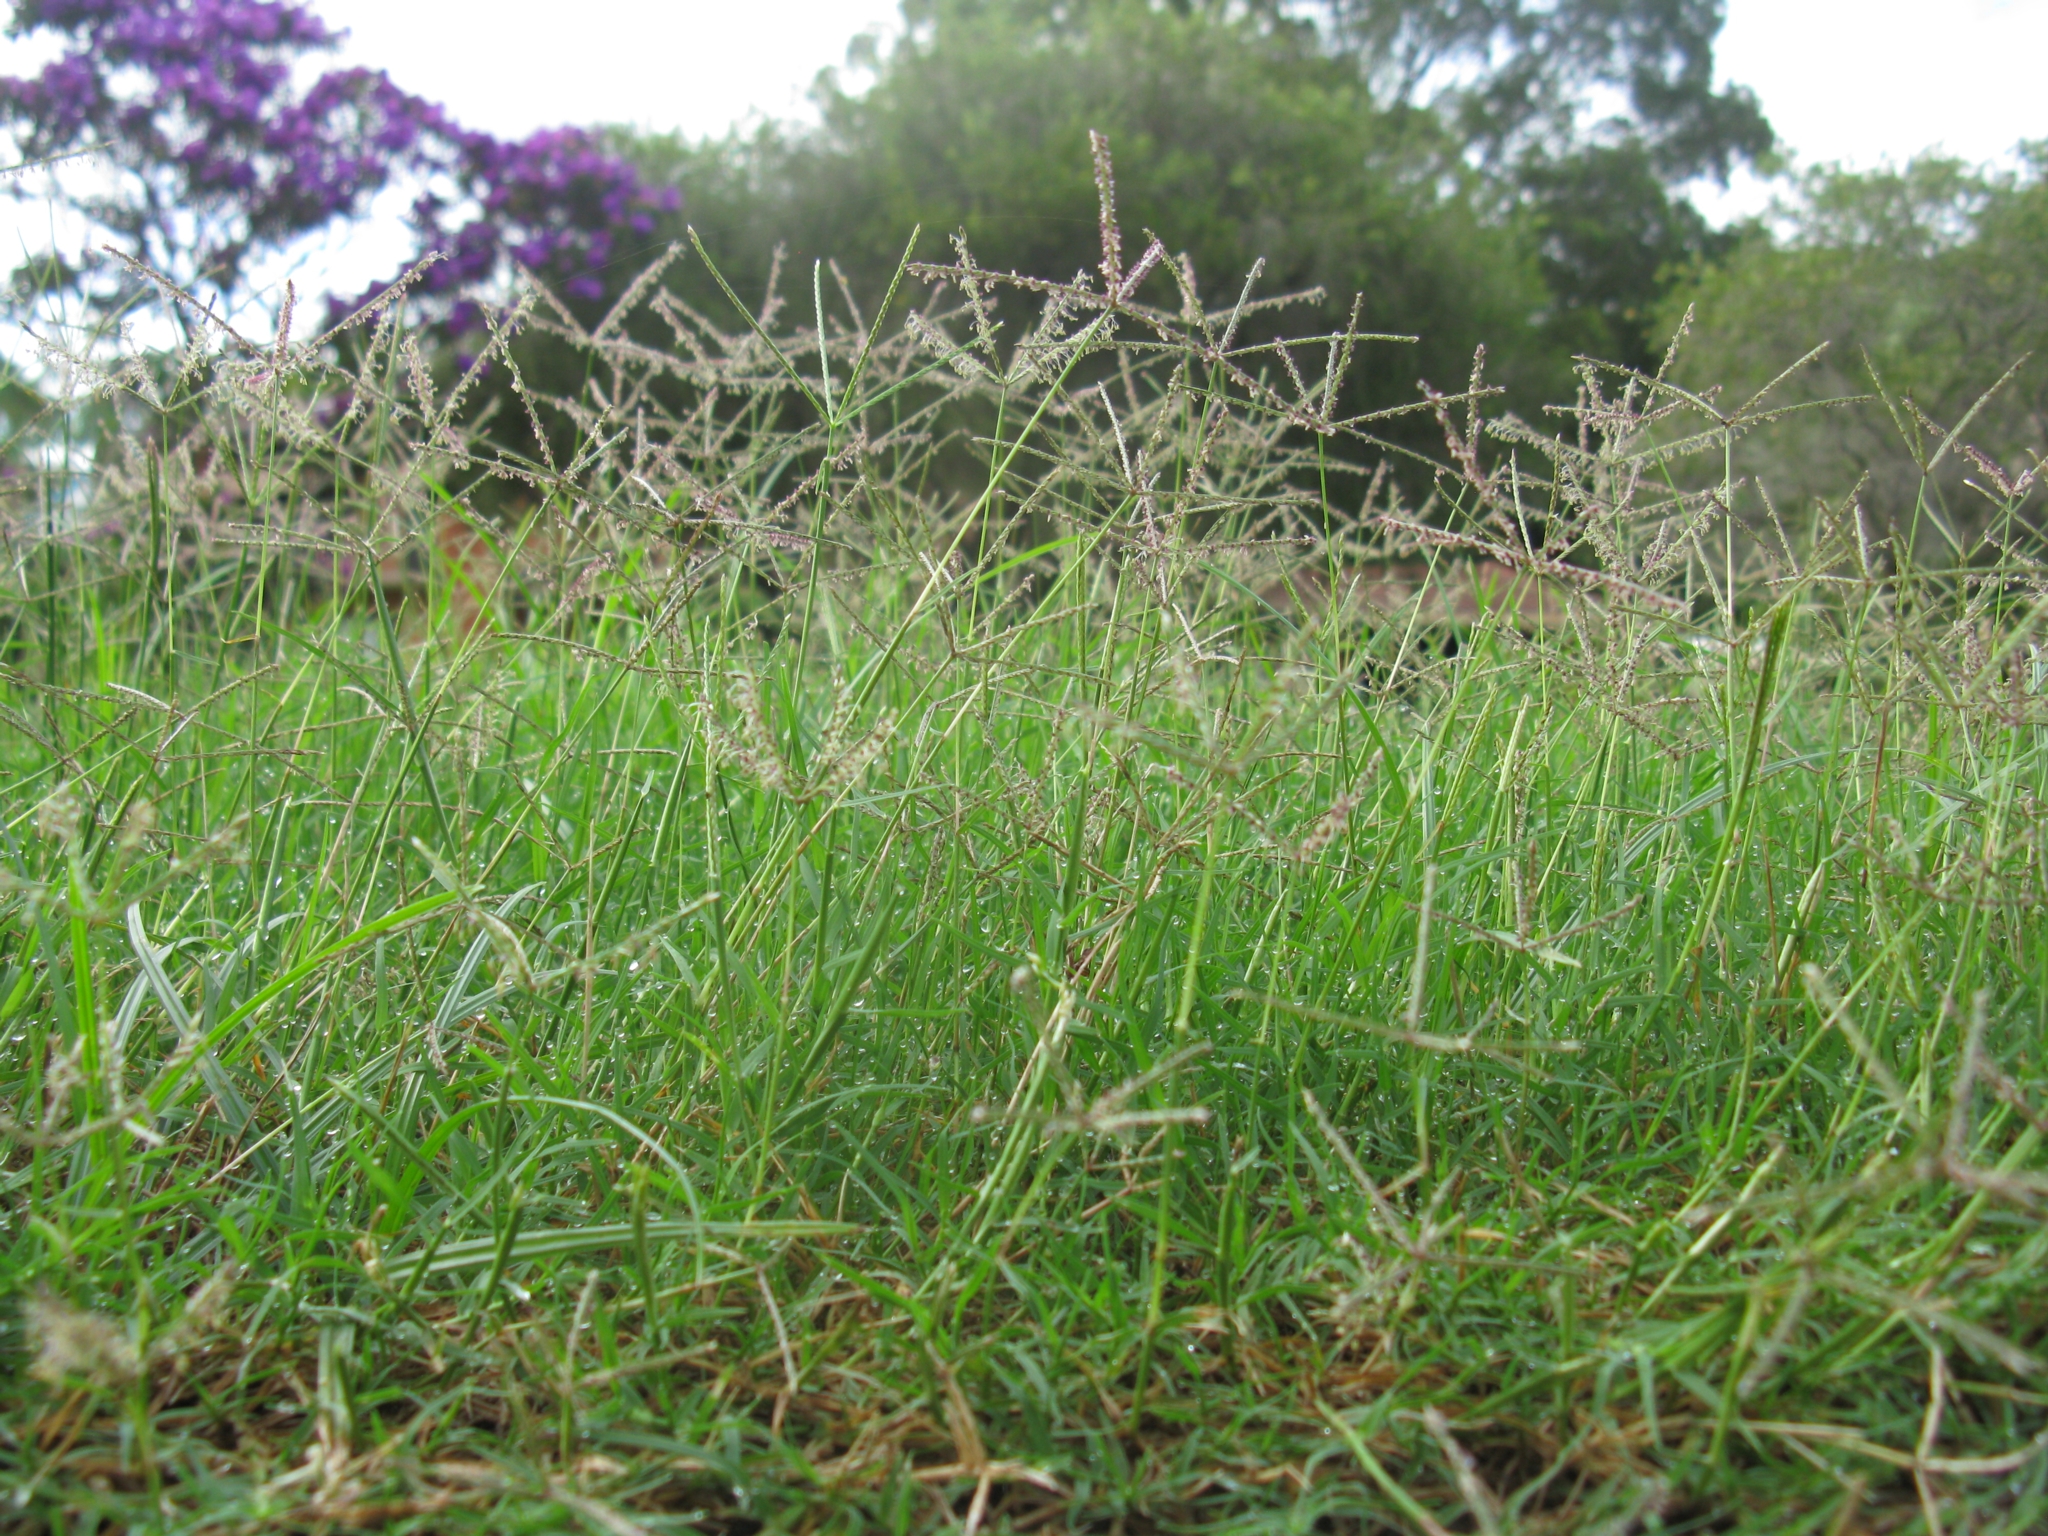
[
  {"x": 558, "y": 202},
  {"x": 224, "y": 156}
]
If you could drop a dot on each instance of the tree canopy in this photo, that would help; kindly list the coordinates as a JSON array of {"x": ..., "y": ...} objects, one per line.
[
  {"x": 1528, "y": 79},
  {"x": 1925, "y": 283},
  {"x": 1478, "y": 170},
  {"x": 215, "y": 143},
  {"x": 1506, "y": 173}
]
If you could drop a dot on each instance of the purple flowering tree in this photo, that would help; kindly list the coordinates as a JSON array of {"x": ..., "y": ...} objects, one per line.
[{"x": 207, "y": 151}]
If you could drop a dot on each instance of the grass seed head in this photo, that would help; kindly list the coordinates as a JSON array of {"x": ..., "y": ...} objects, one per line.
[
  {"x": 61, "y": 817},
  {"x": 73, "y": 1345}
]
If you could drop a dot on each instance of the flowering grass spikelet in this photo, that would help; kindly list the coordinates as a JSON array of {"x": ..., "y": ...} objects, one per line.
[{"x": 73, "y": 1344}]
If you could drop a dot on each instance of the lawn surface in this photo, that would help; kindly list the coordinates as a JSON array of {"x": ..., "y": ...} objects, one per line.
[{"x": 851, "y": 940}]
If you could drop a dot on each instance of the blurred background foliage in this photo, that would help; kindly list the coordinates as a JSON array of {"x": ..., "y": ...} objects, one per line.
[
  {"x": 1467, "y": 170},
  {"x": 1926, "y": 283},
  {"x": 1517, "y": 174}
]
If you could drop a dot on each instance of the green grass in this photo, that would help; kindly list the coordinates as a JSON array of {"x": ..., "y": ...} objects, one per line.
[{"x": 892, "y": 988}]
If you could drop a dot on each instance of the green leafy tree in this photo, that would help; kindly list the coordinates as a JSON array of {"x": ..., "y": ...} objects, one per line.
[
  {"x": 1925, "y": 283},
  {"x": 1596, "y": 114},
  {"x": 1446, "y": 159},
  {"x": 1611, "y": 237},
  {"x": 1239, "y": 137},
  {"x": 1530, "y": 76}
]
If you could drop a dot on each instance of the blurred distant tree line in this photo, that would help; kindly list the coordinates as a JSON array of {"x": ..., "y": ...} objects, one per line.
[
  {"x": 1480, "y": 171},
  {"x": 1926, "y": 284},
  {"x": 1513, "y": 173},
  {"x": 1508, "y": 172}
]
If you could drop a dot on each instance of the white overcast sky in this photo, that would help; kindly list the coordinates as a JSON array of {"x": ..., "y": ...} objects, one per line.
[{"x": 1844, "y": 80}]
